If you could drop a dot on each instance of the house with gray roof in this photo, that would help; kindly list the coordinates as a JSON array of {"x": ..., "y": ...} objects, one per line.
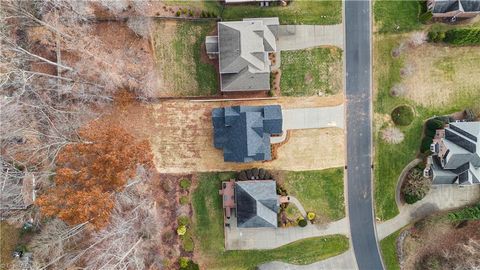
[
  {"x": 456, "y": 155},
  {"x": 242, "y": 49},
  {"x": 454, "y": 8},
  {"x": 243, "y": 132},
  {"x": 255, "y": 203}
]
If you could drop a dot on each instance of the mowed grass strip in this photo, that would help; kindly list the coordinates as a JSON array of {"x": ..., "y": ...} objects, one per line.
[
  {"x": 297, "y": 12},
  {"x": 397, "y": 16},
  {"x": 318, "y": 191},
  {"x": 388, "y": 246},
  {"x": 208, "y": 231},
  {"x": 311, "y": 71},
  {"x": 178, "y": 48}
]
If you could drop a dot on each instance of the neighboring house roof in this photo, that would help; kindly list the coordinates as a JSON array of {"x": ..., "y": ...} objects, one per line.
[
  {"x": 243, "y": 132},
  {"x": 256, "y": 203},
  {"x": 446, "y": 6},
  {"x": 459, "y": 161},
  {"x": 243, "y": 48}
]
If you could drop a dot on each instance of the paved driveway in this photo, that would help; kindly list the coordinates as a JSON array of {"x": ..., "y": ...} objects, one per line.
[
  {"x": 305, "y": 118},
  {"x": 344, "y": 261},
  {"x": 309, "y": 118},
  {"x": 297, "y": 37},
  {"x": 268, "y": 238},
  {"x": 440, "y": 198}
]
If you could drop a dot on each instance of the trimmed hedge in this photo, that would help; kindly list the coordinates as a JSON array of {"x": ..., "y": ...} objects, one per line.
[
  {"x": 460, "y": 36},
  {"x": 470, "y": 213},
  {"x": 402, "y": 115}
]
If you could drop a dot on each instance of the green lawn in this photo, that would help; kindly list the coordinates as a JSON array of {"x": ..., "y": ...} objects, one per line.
[
  {"x": 208, "y": 231},
  {"x": 318, "y": 191},
  {"x": 178, "y": 49},
  {"x": 9, "y": 237},
  {"x": 297, "y": 12},
  {"x": 397, "y": 16},
  {"x": 389, "y": 251},
  {"x": 391, "y": 159},
  {"x": 308, "y": 72}
]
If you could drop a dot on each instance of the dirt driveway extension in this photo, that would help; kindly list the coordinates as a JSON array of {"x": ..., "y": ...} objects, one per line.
[
  {"x": 181, "y": 136},
  {"x": 298, "y": 37}
]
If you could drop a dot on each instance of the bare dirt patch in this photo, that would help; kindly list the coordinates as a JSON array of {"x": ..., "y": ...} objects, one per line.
[
  {"x": 181, "y": 136},
  {"x": 441, "y": 74}
]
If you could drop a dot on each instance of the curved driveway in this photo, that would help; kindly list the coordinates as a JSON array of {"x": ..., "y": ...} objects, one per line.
[{"x": 359, "y": 134}]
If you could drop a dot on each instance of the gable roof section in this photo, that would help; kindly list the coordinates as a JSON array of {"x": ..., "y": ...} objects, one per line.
[
  {"x": 462, "y": 157},
  {"x": 243, "y": 53},
  {"x": 257, "y": 203},
  {"x": 243, "y": 132},
  {"x": 445, "y": 6}
]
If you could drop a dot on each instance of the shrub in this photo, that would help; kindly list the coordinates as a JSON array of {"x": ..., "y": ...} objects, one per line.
[
  {"x": 425, "y": 17},
  {"x": 430, "y": 132},
  {"x": 463, "y": 36},
  {"x": 183, "y": 262},
  {"x": 190, "y": 266},
  {"x": 469, "y": 213},
  {"x": 434, "y": 124},
  {"x": 402, "y": 115},
  {"x": 302, "y": 222},
  {"x": 436, "y": 36},
  {"x": 184, "y": 11},
  {"x": 177, "y": 13},
  {"x": 185, "y": 183},
  {"x": 187, "y": 243},
  {"x": 311, "y": 216},
  {"x": 416, "y": 186},
  {"x": 202, "y": 15},
  {"x": 183, "y": 221},
  {"x": 181, "y": 230},
  {"x": 190, "y": 13},
  {"x": 425, "y": 145},
  {"x": 184, "y": 200}
]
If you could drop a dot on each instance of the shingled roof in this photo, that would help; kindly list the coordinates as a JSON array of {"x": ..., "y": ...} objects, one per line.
[
  {"x": 256, "y": 203},
  {"x": 243, "y": 132},
  {"x": 460, "y": 161},
  {"x": 445, "y": 6},
  {"x": 243, "y": 48}
]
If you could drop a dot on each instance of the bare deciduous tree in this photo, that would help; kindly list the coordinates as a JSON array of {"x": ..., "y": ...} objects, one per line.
[
  {"x": 129, "y": 240},
  {"x": 142, "y": 26},
  {"x": 392, "y": 135}
]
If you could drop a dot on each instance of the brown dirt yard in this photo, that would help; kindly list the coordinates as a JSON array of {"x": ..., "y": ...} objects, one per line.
[
  {"x": 180, "y": 132},
  {"x": 442, "y": 74}
]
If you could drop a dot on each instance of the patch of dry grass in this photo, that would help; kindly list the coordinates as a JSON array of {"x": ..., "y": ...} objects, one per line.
[{"x": 442, "y": 74}]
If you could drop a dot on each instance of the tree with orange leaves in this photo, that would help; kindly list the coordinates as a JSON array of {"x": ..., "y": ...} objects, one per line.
[{"x": 89, "y": 172}]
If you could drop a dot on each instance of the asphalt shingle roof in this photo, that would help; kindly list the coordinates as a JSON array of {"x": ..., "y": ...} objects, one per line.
[
  {"x": 256, "y": 203},
  {"x": 243, "y": 53},
  {"x": 243, "y": 132}
]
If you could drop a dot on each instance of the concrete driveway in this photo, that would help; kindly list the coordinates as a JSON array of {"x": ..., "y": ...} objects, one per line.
[
  {"x": 308, "y": 118},
  {"x": 269, "y": 238},
  {"x": 298, "y": 37},
  {"x": 344, "y": 261}
]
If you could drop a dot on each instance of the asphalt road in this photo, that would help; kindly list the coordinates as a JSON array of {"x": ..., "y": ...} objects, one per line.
[{"x": 359, "y": 134}]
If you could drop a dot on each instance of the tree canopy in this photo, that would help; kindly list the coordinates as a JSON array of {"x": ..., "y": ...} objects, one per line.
[{"x": 90, "y": 171}]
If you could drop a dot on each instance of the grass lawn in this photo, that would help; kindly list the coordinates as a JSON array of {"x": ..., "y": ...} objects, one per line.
[
  {"x": 397, "y": 16},
  {"x": 391, "y": 159},
  {"x": 297, "y": 12},
  {"x": 318, "y": 191},
  {"x": 178, "y": 48},
  {"x": 308, "y": 72},
  {"x": 208, "y": 231},
  {"x": 388, "y": 247},
  {"x": 210, "y": 5},
  {"x": 9, "y": 237}
]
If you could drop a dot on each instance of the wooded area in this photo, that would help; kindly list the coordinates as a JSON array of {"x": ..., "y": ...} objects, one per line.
[{"x": 87, "y": 176}]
